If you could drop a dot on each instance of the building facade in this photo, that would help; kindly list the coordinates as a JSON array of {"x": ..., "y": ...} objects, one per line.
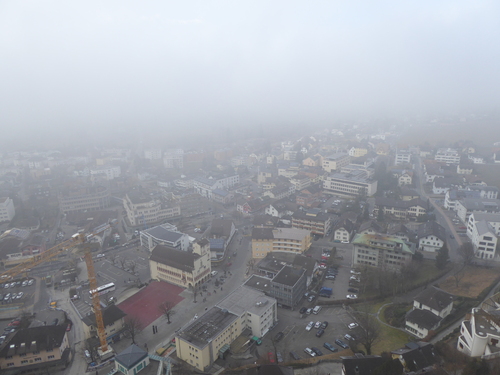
[
  {"x": 81, "y": 199},
  {"x": 292, "y": 240},
  {"x": 7, "y": 210},
  {"x": 350, "y": 184}
]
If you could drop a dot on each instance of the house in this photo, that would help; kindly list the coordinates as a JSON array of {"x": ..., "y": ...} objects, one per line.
[
  {"x": 223, "y": 228},
  {"x": 350, "y": 184},
  {"x": 429, "y": 308},
  {"x": 360, "y": 364},
  {"x": 441, "y": 185},
  {"x": 448, "y": 156},
  {"x": 400, "y": 209},
  {"x": 132, "y": 360},
  {"x": 417, "y": 357},
  {"x": 431, "y": 236},
  {"x": 7, "y": 210},
  {"x": 357, "y": 152},
  {"x": 480, "y": 330},
  {"x": 484, "y": 229},
  {"x": 114, "y": 323},
  {"x": 402, "y": 157},
  {"x": 400, "y": 231},
  {"x": 408, "y": 194},
  {"x": 380, "y": 251},
  {"x": 165, "y": 234},
  {"x": 183, "y": 268},
  {"x": 292, "y": 240},
  {"x": 453, "y": 195},
  {"x": 405, "y": 178},
  {"x": 466, "y": 206},
  {"x": 35, "y": 350},
  {"x": 343, "y": 231},
  {"x": 370, "y": 227}
]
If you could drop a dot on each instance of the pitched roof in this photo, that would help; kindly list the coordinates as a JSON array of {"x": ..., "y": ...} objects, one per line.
[
  {"x": 34, "y": 339},
  {"x": 110, "y": 314},
  {"x": 131, "y": 356},
  {"x": 420, "y": 358},
  {"x": 170, "y": 256},
  {"x": 361, "y": 365},
  {"x": 423, "y": 318},
  {"x": 221, "y": 227},
  {"x": 435, "y": 298},
  {"x": 431, "y": 228}
]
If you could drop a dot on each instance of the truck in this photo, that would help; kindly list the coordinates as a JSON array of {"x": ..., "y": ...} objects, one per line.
[
  {"x": 325, "y": 292},
  {"x": 257, "y": 340}
]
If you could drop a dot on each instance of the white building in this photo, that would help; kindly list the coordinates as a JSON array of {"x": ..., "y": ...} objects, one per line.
[
  {"x": 174, "y": 159},
  {"x": 109, "y": 172},
  {"x": 402, "y": 157},
  {"x": 350, "y": 184},
  {"x": 164, "y": 235},
  {"x": 484, "y": 229},
  {"x": 7, "y": 210},
  {"x": 336, "y": 161},
  {"x": 205, "y": 186},
  {"x": 152, "y": 154},
  {"x": 447, "y": 155},
  {"x": 431, "y": 236}
]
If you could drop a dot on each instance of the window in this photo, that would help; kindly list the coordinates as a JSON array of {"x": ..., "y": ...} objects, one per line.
[
  {"x": 50, "y": 357},
  {"x": 38, "y": 359},
  {"x": 10, "y": 364},
  {"x": 24, "y": 361}
]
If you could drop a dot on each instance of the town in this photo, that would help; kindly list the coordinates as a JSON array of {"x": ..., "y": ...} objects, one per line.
[{"x": 342, "y": 250}]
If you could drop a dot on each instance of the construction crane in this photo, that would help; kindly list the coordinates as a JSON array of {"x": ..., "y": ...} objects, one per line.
[{"x": 77, "y": 239}]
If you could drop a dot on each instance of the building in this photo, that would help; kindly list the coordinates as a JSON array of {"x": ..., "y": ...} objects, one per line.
[
  {"x": 465, "y": 207},
  {"x": 152, "y": 154},
  {"x": 430, "y": 307},
  {"x": 289, "y": 286},
  {"x": 165, "y": 234},
  {"x": 453, "y": 195},
  {"x": 402, "y": 157},
  {"x": 484, "y": 229},
  {"x": 314, "y": 220},
  {"x": 36, "y": 350},
  {"x": 205, "y": 186},
  {"x": 343, "y": 231},
  {"x": 107, "y": 172},
  {"x": 208, "y": 338},
  {"x": 174, "y": 159},
  {"x": 293, "y": 240},
  {"x": 447, "y": 155},
  {"x": 335, "y": 162},
  {"x": 144, "y": 210},
  {"x": 381, "y": 251},
  {"x": 400, "y": 209},
  {"x": 360, "y": 364},
  {"x": 357, "y": 152},
  {"x": 480, "y": 331},
  {"x": 131, "y": 360},
  {"x": 7, "y": 210},
  {"x": 431, "y": 236},
  {"x": 257, "y": 311},
  {"x": 350, "y": 184},
  {"x": 417, "y": 358},
  {"x": 114, "y": 323},
  {"x": 87, "y": 198}
]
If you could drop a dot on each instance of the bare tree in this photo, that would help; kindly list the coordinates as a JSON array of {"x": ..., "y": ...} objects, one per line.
[
  {"x": 251, "y": 263},
  {"x": 112, "y": 257},
  {"x": 467, "y": 253},
  {"x": 369, "y": 332},
  {"x": 133, "y": 327},
  {"x": 459, "y": 273},
  {"x": 123, "y": 261},
  {"x": 132, "y": 266},
  {"x": 166, "y": 309}
]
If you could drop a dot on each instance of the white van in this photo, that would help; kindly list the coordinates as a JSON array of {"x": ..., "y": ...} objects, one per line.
[{"x": 317, "y": 309}]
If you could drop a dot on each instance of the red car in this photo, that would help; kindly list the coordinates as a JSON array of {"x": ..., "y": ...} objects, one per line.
[
  {"x": 271, "y": 357},
  {"x": 68, "y": 328}
]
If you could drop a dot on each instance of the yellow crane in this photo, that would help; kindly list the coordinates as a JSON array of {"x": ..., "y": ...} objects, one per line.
[{"x": 77, "y": 239}]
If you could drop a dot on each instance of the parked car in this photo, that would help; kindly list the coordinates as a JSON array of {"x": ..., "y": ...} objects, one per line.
[
  {"x": 311, "y": 298},
  {"x": 354, "y": 272},
  {"x": 320, "y": 332},
  {"x": 330, "y": 277},
  {"x": 317, "y": 351},
  {"x": 302, "y": 310},
  {"x": 351, "y": 296},
  {"x": 317, "y": 325},
  {"x": 341, "y": 344},
  {"x": 309, "y": 326},
  {"x": 348, "y": 337},
  {"x": 214, "y": 273},
  {"x": 87, "y": 354},
  {"x": 279, "y": 357},
  {"x": 20, "y": 295},
  {"x": 294, "y": 355},
  {"x": 309, "y": 311},
  {"x": 271, "y": 357},
  {"x": 352, "y": 325},
  {"x": 278, "y": 336},
  {"x": 25, "y": 283},
  {"x": 310, "y": 352},
  {"x": 324, "y": 325},
  {"x": 330, "y": 347},
  {"x": 31, "y": 281},
  {"x": 353, "y": 290}
]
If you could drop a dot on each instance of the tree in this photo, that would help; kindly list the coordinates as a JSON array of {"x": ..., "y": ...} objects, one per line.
[
  {"x": 369, "y": 332},
  {"x": 133, "y": 327},
  {"x": 251, "y": 263},
  {"x": 167, "y": 310},
  {"x": 442, "y": 258},
  {"x": 467, "y": 253},
  {"x": 123, "y": 261},
  {"x": 459, "y": 273}
]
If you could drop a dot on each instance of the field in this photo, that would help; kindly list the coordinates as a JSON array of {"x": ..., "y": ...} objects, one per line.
[{"x": 474, "y": 282}]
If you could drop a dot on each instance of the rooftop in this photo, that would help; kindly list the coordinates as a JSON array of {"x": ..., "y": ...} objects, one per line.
[
  {"x": 175, "y": 258},
  {"x": 288, "y": 276},
  {"x": 259, "y": 282},
  {"x": 381, "y": 241},
  {"x": 245, "y": 299},
  {"x": 33, "y": 339},
  {"x": 131, "y": 356},
  {"x": 163, "y": 233}
]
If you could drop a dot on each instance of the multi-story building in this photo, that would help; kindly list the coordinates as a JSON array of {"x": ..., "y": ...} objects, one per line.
[
  {"x": 86, "y": 198},
  {"x": 292, "y": 240},
  {"x": 400, "y": 209},
  {"x": 314, "y": 220},
  {"x": 288, "y": 286},
  {"x": 35, "y": 350},
  {"x": 453, "y": 195},
  {"x": 144, "y": 210},
  {"x": 174, "y": 159},
  {"x": 257, "y": 311},
  {"x": 205, "y": 186},
  {"x": 350, "y": 184},
  {"x": 447, "y": 155},
  {"x": 484, "y": 229},
  {"x": 480, "y": 331},
  {"x": 208, "y": 338},
  {"x": 108, "y": 172},
  {"x": 114, "y": 323},
  {"x": 335, "y": 161},
  {"x": 431, "y": 236},
  {"x": 357, "y": 152},
  {"x": 153, "y": 154},
  {"x": 165, "y": 234},
  {"x": 7, "y": 210},
  {"x": 465, "y": 207},
  {"x": 380, "y": 251},
  {"x": 402, "y": 157},
  {"x": 179, "y": 267}
]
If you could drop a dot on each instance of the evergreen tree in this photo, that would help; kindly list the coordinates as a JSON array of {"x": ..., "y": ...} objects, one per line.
[{"x": 442, "y": 258}]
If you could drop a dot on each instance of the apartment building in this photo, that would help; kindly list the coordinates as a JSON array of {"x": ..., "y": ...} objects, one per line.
[
  {"x": 107, "y": 172},
  {"x": 35, "y": 350},
  {"x": 182, "y": 268},
  {"x": 205, "y": 186},
  {"x": 153, "y": 154},
  {"x": 7, "y": 210},
  {"x": 144, "y": 210},
  {"x": 465, "y": 207},
  {"x": 84, "y": 198},
  {"x": 174, "y": 159},
  {"x": 402, "y": 157},
  {"x": 447, "y": 155},
  {"x": 314, "y": 220},
  {"x": 292, "y": 240},
  {"x": 335, "y": 162},
  {"x": 400, "y": 209},
  {"x": 381, "y": 251},
  {"x": 350, "y": 184},
  {"x": 484, "y": 229}
]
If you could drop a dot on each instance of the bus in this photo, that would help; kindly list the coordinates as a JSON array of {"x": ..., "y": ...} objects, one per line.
[{"x": 103, "y": 289}]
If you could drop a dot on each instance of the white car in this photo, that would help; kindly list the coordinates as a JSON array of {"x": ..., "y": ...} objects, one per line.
[
  {"x": 214, "y": 273},
  {"x": 31, "y": 281},
  {"x": 20, "y": 295},
  {"x": 352, "y": 325},
  {"x": 317, "y": 325},
  {"x": 355, "y": 278},
  {"x": 310, "y": 352},
  {"x": 309, "y": 326},
  {"x": 354, "y": 272},
  {"x": 351, "y": 296},
  {"x": 344, "y": 241}
]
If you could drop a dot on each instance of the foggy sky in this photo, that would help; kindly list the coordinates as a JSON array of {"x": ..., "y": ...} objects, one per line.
[{"x": 98, "y": 67}]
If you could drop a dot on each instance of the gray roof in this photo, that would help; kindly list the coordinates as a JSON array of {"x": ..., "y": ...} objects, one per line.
[
  {"x": 259, "y": 282},
  {"x": 435, "y": 298},
  {"x": 431, "y": 228},
  {"x": 39, "y": 338},
  {"x": 131, "y": 356},
  {"x": 163, "y": 234},
  {"x": 361, "y": 365},
  {"x": 423, "y": 318},
  {"x": 262, "y": 233},
  {"x": 471, "y": 204},
  {"x": 221, "y": 227},
  {"x": 172, "y": 257},
  {"x": 397, "y": 203},
  {"x": 110, "y": 314},
  {"x": 288, "y": 276}
]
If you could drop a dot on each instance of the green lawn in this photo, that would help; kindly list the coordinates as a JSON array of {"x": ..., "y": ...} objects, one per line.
[
  {"x": 427, "y": 271},
  {"x": 390, "y": 339}
]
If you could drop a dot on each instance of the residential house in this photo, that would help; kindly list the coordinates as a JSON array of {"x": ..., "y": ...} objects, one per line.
[
  {"x": 222, "y": 229},
  {"x": 370, "y": 227},
  {"x": 448, "y": 156},
  {"x": 408, "y": 194},
  {"x": 430, "y": 307},
  {"x": 114, "y": 324},
  {"x": 466, "y": 206},
  {"x": 417, "y": 357},
  {"x": 182, "y": 268},
  {"x": 402, "y": 157},
  {"x": 360, "y": 364},
  {"x": 453, "y": 195},
  {"x": 431, "y": 236},
  {"x": 312, "y": 161},
  {"x": 357, "y": 152},
  {"x": 343, "y": 230}
]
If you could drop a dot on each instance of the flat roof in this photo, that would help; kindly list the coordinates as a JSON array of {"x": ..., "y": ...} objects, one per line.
[
  {"x": 259, "y": 282},
  {"x": 288, "y": 276},
  {"x": 245, "y": 299}
]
